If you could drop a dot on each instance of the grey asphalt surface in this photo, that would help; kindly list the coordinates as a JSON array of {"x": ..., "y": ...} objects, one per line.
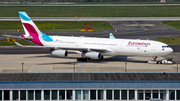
[
  {"x": 140, "y": 25},
  {"x": 20, "y": 50}
]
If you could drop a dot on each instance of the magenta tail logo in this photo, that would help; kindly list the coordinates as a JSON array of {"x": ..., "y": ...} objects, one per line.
[
  {"x": 32, "y": 32},
  {"x": 30, "y": 29}
]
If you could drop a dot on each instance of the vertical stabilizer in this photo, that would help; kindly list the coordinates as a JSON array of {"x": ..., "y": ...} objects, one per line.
[
  {"x": 32, "y": 30},
  {"x": 111, "y": 36},
  {"x": 29, "y": 27}
]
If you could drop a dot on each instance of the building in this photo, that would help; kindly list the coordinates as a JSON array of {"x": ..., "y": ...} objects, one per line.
[{"x": 90, "y": 86}]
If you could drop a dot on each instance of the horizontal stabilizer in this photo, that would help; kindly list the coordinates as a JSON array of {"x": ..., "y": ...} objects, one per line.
[
  {"x": 29, "y": 37},
  {"x": 18, "y": 44},
  {"x": 13, "y": 36}
]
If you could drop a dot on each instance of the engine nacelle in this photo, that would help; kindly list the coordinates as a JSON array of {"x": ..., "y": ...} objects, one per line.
[
  {"x": 60, "y": 53},
  {"x": 93, "y": 55}
]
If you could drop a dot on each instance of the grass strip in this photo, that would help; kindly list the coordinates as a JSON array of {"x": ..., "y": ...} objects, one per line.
[
  {"x": 170, "y": 40},
  {"x": 92, "y": 11},
  {"x": 127, "y": 3},
  {"x": 57, "y": 26},
  {"x": 174, "y": 24},
  {"x": 4, "y": 42}
]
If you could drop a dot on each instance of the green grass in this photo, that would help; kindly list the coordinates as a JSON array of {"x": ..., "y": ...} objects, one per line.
[
  {"x": 85, "y": 11},
  {"x": 174, "y": 24},
  {"x": 87, "y": 3},
  {"x": 4, "y": 42},
  {"x": 58, "y": 26},
  {"x": 170, "y": 40},
  {"x": 128, "y": 3}
]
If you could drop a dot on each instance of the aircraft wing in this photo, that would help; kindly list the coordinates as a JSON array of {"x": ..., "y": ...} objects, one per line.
[
  {"x": 65, "y": 48},
  {"x": 99, "y": 50}
]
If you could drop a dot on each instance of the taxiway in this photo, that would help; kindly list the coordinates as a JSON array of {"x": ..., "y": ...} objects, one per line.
[{"x": 40, "y": 60}]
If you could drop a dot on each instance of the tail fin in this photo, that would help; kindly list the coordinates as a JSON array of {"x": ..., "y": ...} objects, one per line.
[
  {"x": 32, "y": 30},
  {"x": 111, "y": 36},
  {"x": 29, "y": 27}
]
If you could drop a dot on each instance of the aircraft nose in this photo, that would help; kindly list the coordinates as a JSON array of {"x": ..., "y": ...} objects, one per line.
[{"x": 170, "y": 50}]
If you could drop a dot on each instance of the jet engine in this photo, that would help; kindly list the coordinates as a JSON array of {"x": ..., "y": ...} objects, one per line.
[
  {"x": 60, "y": 53},
  {"x": 93, "y": 55}
]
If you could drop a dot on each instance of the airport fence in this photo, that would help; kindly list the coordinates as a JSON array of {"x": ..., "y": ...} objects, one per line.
[{"x": 87, "y": 67}]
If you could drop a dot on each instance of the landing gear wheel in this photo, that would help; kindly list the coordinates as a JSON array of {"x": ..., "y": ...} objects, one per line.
[
  {"x": 160, "y": 62},
  {"x": 78, "y": 59},
  {"x": 155, "y": 57},
  {"x": 102, "y": 57},
  {"x": 82, "y": 59}
]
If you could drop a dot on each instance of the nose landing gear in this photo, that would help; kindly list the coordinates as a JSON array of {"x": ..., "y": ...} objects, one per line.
[
  {"x": 153, "y": 61},
  {"x": 154, "y": 57}
]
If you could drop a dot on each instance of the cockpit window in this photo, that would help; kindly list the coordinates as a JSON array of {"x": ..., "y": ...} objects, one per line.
[{"x": 165, "y": 46}]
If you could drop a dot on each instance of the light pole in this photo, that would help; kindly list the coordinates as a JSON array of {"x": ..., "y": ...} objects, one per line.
[
  {"x": 74, "y": 66},
  {"x": 177, "y": 66},
  {"x": 125, "y": 66},
  {"x": 22, "y": 67}
]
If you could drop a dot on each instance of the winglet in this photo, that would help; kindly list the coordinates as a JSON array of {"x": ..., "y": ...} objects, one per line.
[
  {"x": 111, "y": 36},
  {"x": 18, "y": 44}
]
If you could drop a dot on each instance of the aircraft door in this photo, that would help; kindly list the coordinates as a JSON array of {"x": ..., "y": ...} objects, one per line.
[
  {"x": 77, "y": 43},
  {"x": 153, "y": 47},
  {"x": 121, "y": 45}
]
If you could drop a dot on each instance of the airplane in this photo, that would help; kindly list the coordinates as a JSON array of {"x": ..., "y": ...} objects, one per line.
[{"x": 90, "y": 48}]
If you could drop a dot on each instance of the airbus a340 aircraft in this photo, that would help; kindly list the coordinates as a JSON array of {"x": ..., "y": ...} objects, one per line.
[{"x": 90, "y": 48}]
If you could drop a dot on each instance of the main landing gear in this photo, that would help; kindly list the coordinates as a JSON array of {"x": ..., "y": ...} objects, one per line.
[
  {"x": 83, "y": 59},
  {"x": 87, "y": 59}
]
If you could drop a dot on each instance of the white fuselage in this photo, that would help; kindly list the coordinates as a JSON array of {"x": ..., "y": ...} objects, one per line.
[
  {"x": 99, "y": 46},
  {"x": 114, "y": 46}
]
